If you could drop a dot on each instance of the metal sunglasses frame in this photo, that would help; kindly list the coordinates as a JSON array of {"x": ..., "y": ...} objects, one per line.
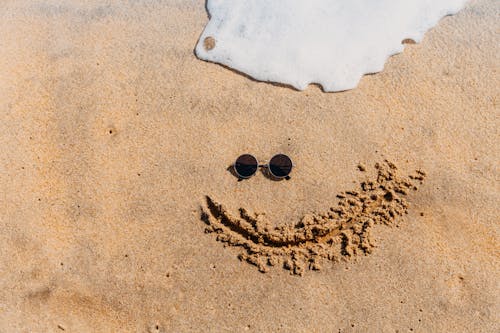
[{"x": 263, "y": 166}]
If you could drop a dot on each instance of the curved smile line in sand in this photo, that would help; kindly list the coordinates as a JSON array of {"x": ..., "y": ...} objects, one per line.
[{"x": 342, "y": 232}]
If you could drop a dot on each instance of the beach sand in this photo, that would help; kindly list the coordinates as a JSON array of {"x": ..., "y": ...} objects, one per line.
[{"x": 113, "y": 133}]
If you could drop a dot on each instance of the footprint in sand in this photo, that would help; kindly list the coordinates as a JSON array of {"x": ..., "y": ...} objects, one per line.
[{"x": 341, "y": 232}]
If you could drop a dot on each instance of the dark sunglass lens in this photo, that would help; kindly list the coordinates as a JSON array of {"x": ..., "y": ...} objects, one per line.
[
  {"x": 246, "y": 165},
  {"x": 280, "y": 166}
]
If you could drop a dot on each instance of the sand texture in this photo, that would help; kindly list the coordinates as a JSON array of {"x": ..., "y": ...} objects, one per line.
[
  {"x": 342, "y": 232},
  {"x": 119, "y": 213}
]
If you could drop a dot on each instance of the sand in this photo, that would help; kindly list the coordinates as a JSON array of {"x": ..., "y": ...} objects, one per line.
[
  {"x": 113, "y": 134},
  {"x": 341, "y": 232}
]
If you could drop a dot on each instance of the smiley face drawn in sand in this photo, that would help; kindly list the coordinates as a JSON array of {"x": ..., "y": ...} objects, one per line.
[{"x": 341, "y": 232}]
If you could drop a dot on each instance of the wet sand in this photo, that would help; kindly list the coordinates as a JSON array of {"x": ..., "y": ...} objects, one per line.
[{"x": 112, "y": 134}]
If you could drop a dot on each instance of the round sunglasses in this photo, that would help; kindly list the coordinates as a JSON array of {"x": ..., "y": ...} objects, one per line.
[{"x": 279, "y": 166}]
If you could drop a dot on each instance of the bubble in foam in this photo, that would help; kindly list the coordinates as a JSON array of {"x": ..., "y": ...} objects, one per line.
[{"x": 329, "y": 42}]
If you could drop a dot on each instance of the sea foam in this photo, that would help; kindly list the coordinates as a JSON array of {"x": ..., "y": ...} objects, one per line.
[{"x": 329, "y": 42}]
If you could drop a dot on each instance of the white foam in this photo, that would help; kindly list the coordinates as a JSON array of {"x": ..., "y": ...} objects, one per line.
[{"x": 329, "y": 42}]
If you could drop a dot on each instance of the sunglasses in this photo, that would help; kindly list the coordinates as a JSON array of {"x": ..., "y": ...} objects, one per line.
[{"x": 279, "y": 166}]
